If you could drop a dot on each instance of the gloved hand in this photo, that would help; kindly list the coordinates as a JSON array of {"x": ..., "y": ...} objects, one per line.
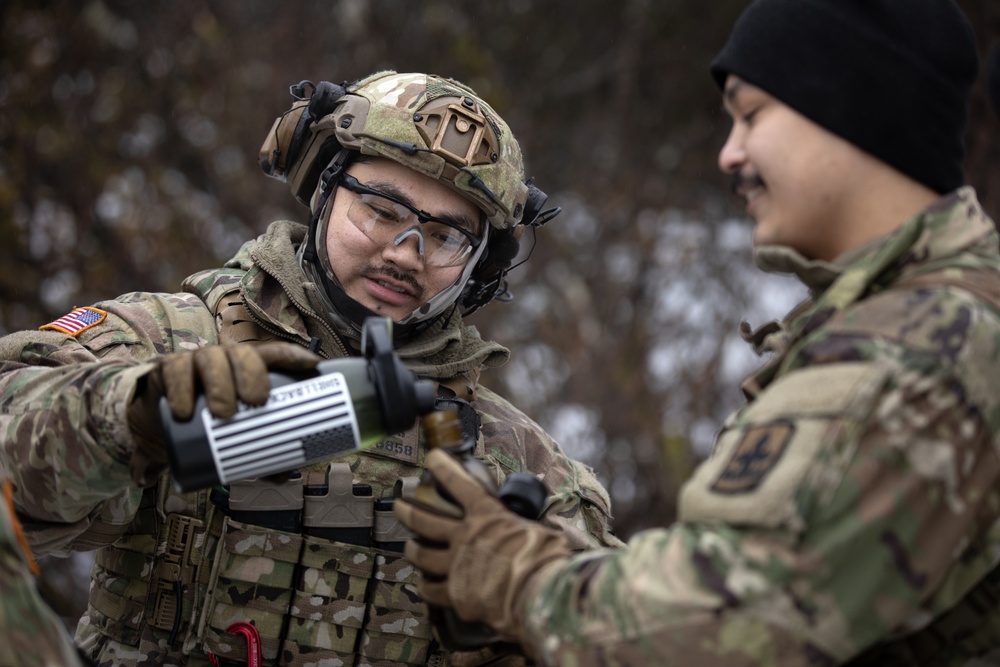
[
  {"x": 479, "y": 564},
  {"x": 224, "y": 373}
]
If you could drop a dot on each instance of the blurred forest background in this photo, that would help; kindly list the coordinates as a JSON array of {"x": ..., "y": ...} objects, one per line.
[{"x": 129, "y": 133}]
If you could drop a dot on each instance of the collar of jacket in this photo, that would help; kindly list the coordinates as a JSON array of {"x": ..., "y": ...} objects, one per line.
[
  {"x": 952, "y": 232},
  {"x": 278, "y": 294}
]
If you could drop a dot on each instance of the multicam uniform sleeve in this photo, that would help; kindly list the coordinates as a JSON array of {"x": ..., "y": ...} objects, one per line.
[
  {"x": 66, "y": 443},
  {"x": 849, "y": 502},
  {"x": 32, "y": 632},
  {"x": 577, "y": 504}
]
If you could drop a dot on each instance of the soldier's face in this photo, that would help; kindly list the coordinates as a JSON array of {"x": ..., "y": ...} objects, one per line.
[
  {"x": 392, "y": 279},
  {"x": 797, "y": 178}
]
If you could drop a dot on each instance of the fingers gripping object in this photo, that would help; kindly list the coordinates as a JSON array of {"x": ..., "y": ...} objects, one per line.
[
  {"x": 227, "y": 374},
  {"x": 256, "y": 422},
  {"x": 452, "y": 427},
  {"x": 224, "y": 375},
  {"x": 479, "y": 562}
]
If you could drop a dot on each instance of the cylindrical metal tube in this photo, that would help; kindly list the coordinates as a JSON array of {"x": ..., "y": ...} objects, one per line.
[
  {"x": 348, "y": 404},
  {"x": 303, "y": 421}
]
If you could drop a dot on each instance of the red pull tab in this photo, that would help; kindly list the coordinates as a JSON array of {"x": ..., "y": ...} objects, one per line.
[{"x": 252, "y": 637}]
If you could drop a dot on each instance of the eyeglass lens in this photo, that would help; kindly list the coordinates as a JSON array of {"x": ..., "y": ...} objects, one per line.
[{"x": 385, "y": 221}]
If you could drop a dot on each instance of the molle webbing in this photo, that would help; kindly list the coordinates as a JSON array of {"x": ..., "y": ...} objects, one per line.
[
  {"x": 333, "y": 590},
  {"x": 119, "y": 588},
  {"x": 121, "y": 610}
]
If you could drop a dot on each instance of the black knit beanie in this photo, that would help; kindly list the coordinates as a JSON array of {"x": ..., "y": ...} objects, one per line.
[{"x": 892, "y": 77}]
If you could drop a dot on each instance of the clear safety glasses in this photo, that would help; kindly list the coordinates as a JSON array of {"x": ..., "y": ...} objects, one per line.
[{"x": 384, "y": 219}]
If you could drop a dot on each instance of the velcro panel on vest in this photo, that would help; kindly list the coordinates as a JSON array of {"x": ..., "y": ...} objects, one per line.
[
  {"x": 253, "y": 583},
  {"x": 329, "y": 606},
  {"x": 397, "y": 628}
]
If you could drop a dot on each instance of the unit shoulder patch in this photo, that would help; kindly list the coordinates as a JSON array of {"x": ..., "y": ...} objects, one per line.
[
  {"x": 754, "y": 457},
  {"x": 76, "y": 321}
]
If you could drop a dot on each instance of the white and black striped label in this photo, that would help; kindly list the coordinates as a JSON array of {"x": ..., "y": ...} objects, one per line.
[{"x": 303, "y": 422}]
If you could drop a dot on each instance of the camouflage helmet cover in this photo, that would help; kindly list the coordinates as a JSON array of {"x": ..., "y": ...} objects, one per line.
[{"x": 433, "y": 125}]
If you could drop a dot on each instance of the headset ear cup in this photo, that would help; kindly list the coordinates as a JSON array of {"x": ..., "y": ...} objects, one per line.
[
  {"x": 298, "y": 138},
  {"x": 274, "y": 152},
  {"x": 293, "y": 138},
  {"x": 321, "y": 103},
  {"x": 488, "y": 277},
  {"x": 488, "y": 280},
  {"x": 503, "y": 249}
]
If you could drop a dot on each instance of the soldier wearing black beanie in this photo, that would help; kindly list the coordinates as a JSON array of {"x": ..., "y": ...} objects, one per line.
[
  {"x": 892, "y": 77},
  {"x": 848, "y": 512}
]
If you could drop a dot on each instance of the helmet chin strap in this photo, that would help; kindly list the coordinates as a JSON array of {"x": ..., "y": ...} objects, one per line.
[{"x": 324, "y": 190}]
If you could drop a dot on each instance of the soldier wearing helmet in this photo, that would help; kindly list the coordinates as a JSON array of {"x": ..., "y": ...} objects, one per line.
[
  {"x": 417, "y": 199},
  {"x": 440, "y": 130}
]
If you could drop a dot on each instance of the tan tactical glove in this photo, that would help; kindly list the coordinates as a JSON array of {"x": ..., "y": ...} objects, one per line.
[
  {"x": 480, "y": 564},
  {"x": 224, "y": 373}
]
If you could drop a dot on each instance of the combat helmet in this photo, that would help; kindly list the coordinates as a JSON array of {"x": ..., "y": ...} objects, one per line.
[{"x": 434, "y": 125}]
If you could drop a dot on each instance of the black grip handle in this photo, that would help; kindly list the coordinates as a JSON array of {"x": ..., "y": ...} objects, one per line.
[{"x": 524, "y": 494}]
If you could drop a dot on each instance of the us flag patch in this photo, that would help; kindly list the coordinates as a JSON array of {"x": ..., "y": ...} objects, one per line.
[{"x": 80, "y": 319}]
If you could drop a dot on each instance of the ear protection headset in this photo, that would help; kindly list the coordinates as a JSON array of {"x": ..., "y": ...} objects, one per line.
[
  {"x": 302, "y": 147},
  {"x": 293, "y": 131}
]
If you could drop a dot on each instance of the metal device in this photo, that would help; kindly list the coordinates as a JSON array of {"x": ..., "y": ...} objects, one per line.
[{"x": 349, "y": 404}]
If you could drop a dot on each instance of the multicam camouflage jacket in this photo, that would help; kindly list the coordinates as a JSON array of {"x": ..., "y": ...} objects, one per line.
[
  {"x": 32, "y": 633},
  {"x": 177, "y": 576},
  {"x": 849, "y": 511}
]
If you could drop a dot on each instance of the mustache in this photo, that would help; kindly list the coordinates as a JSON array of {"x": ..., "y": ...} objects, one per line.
[
  {"x": 390, "y": 272},
  {"x": 739, "y": 182}
]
